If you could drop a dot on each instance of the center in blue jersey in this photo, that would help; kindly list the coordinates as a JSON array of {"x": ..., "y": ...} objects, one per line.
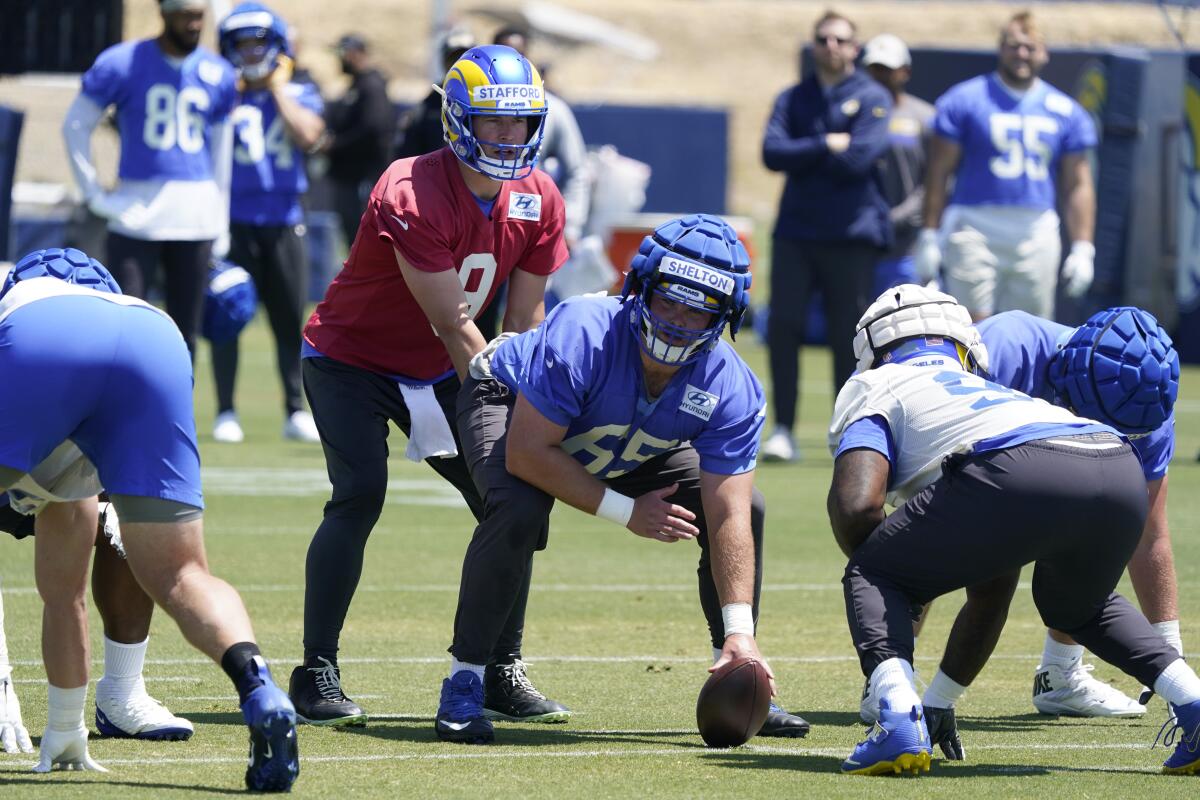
[
  {"x": 582, "y": 368},
  {"x": 268, "y": 168},
  {"x": 1011, "y": 144},
  {"x": 1020, "y": 347},
  {"x": 164, "y": 112}
]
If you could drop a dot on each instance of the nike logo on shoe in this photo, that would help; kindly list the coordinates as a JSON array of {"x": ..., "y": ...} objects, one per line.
[
  {"x": 454, "y": 726},
  {"x": 399, "y": 221}
]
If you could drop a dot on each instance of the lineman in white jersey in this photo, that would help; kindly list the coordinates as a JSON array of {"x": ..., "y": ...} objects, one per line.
[{"x": 985, "y": 480}]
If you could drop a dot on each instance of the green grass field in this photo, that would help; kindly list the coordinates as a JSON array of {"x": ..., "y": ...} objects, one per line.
[{"x": 614, "y": 631}]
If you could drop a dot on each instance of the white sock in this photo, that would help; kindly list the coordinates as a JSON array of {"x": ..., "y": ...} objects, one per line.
[
  {"x": 457, "y": 666},
  {"x": 1060, "y": 655},
  {"x": 1169, "y": 630},
  {"x": 65, "y": 712},
  {"x": 1178, "y": 684},
  {"x": 893, "y": 681},
  {"x": 122, "y": 668},
  {"x": 5, "y": 667},
  {"x": 943, "y": 691}
]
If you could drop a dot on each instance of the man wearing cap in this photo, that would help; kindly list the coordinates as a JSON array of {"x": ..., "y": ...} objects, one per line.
[
  {"x": 887, "y": 59},
  {"x": 825, "y": 133},
  {"x": 421, "y": 126},
  {"x": 170, "y": 207},
  {"x": 358, "y": 133}
]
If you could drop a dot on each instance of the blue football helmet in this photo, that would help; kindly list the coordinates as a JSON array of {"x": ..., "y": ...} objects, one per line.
[
  {"x": 697, "y": 261},
  {"x": 493, "y": 81},
  {"x": 1119, "y": 368},
  {"x": 253, "y": 22},
  {"x": 70, "y": 265},
  {"x": 230, "y": 301}
]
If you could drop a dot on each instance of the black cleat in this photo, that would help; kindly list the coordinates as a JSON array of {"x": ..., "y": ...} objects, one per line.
[
  {"x": 316, "y": 691},
  {"x": 943, "y": 731},
  {"x": 508, "y": 696},
  {"x": 460, "y": 716},
  {"x": 783, "y": 725}
]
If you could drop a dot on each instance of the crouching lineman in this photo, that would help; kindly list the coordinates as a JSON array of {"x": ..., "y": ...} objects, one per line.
[
  {"x": 985, "y": 480},
  {"x": 43, "y": 499},
  {"x": 632, "y": 409},
  {"x": 80, "y": 362},
  {"x": 1077, "y": 368}
]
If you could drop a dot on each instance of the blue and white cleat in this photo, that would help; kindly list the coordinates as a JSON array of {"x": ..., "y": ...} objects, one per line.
[
  {"x": 1185, "y": 726},
  {"x": 137, "y": 716},
  {"x": 274, "y": 754},
  {"x": 460, "y": 716},
  {"x": 899, "y": 742}
]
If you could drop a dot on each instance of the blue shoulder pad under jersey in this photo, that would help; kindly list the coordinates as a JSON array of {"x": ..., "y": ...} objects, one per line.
[
  {"x": 164, "y": 112},
  {"x": 268, "y": 168},
  {"x": 582, "y": 369},
  {"x": 1020, "y": 348},
  {"x": 1011, "y": 145}
]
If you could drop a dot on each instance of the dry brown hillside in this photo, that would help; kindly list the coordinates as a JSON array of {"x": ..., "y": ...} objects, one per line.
[{"x": 732, "y": 53}]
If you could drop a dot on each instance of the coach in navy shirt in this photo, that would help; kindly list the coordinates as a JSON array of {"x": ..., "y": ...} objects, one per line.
[{"x": 826, "y": 133}]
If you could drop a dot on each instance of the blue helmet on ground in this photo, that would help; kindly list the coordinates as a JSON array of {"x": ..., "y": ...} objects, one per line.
[
  {"x": 70, "y": 265},
  {"x": 253, "y": 38},
  {"x": 230, "y": 301},
  {"x": 696, "y": 261},
  {"x": 1120, "y": 368}
]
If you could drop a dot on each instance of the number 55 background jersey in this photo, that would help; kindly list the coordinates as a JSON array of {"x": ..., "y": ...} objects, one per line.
[{"x": 421, "y": 207}]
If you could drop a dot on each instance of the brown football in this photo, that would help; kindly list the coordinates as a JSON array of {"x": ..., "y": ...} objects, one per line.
[{"x": 733, "y": 703}]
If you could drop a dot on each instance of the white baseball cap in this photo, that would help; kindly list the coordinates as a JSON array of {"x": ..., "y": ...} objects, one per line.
[{"x": 887, "y": 50}]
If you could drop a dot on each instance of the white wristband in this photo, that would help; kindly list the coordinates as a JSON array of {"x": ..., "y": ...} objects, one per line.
[
  {"x": 615, "y": 507},
  {"x": 1083, "y": 247},
  {"x": 738, "y": 618}
]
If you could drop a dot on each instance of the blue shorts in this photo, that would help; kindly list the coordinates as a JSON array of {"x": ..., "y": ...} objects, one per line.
[{"x": 114, "y": 379}]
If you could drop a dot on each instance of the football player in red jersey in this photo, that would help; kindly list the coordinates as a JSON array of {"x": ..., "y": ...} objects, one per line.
[{"x": 396, "y": 331}]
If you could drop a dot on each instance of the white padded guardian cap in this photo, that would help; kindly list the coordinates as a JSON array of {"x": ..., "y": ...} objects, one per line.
[{"x": 907, "y": 311}]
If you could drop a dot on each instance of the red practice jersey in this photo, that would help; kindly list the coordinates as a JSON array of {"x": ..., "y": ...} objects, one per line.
[{"x": 421, "y": 207}]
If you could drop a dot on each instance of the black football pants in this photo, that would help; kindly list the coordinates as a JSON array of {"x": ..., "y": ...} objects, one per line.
[
  {"x": 516, "y": 523},
  {"x": 1076, "y": 514}
]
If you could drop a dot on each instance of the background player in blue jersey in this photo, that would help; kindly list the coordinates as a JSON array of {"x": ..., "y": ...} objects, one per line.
[
  {"x": 631, "y": 409},
  {"x": 1061, "y": 365},
  {"x": 84, "y": 364},
  {"x": 171, "y": 203},
  {"x": 1017, "y": 148},
  {"x": 276, "y": 122},
  {"x": 985, "y": 480}
]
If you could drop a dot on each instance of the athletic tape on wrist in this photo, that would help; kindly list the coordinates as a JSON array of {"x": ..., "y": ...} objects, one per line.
[
  {"x": 615, "y": 507},
  {"x": 738, "y": 618}
]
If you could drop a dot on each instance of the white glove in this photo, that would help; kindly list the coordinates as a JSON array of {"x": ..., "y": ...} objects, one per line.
[
  {"x": 927, "y": 255},
  {"x": 66, "y": 750},
  {"x": 1079, "y": 269},
  {"x": 481, "y": 363},
  {"x": 13, "y": 736}
]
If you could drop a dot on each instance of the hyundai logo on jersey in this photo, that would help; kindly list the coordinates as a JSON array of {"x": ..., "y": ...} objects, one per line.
[
  {"x": 525, "y": 206},
  {"x": 698, "y": 402}
]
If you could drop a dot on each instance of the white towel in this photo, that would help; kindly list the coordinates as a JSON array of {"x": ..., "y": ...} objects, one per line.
[{"x": 430, "y": 435}]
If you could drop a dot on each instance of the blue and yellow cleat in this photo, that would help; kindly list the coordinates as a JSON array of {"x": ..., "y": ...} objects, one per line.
[
  {"x": 1185, "y": 726},
  {"x": 274, "y": 754},
  {"x": 898, "y": 743}
]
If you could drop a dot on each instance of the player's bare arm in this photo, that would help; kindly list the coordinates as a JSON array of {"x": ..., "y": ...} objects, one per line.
[
  {"x": 303, "y": 126},
  {"x": 1078, "y": 195},
  {"x": 856, "y": 496},
  {"x": 526, "y": 301},
  {"x": 944, "y": 156},
  {"x": 1152, "y": 567},
  {"x": 534, "y": 454},
  {"x": 444, "y": 303}
]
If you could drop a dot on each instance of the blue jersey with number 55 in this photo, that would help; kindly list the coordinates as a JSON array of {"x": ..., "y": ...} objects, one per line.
[
  {"x": 164, "y": 112},
  {"x": 268, "y": 168},
  {"x": 582, "y": 369},
  {"x": 1011, "y": 144}
]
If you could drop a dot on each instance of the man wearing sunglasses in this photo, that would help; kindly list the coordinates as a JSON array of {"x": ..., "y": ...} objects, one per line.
[{"x": 825, "y": 133}]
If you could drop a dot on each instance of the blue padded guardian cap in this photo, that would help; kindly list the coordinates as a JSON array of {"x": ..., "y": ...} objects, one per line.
[
  {"x": 230, "y": 301},
  {"x": 70, "y": 265},
  {"x": 1120, "y": 368}
]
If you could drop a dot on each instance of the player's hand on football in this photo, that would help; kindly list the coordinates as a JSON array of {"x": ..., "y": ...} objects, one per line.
[
  {"x": 655, "y": 517},
  {"x": 1079, "y": 269},
  {"x": 927, "y": 255},
  {"x": 66, "y": 750},
  {"x": 742, "y": 645},
  {"x": 279, "y": 77},
  {"x": 14, "y": 738},
  {"x": 837, "y": 142}
]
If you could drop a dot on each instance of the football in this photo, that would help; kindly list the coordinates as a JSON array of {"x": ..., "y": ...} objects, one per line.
[{"x": 733, "y": 703}]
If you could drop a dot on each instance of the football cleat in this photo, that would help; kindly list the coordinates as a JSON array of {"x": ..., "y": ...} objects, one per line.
[
  {"x": 508, "y": 696},
  {"x": 898, "y": 743},
  {"x": 316, "y": 690},
  {"x": 274, "y": 754},
  {"x": 299, "y": 427},
  {"x": 943, "y": 731},
  {"x": 1073, "y": 692},
  {"x": 1145, "y": 695},
  {"x": 227, "y": 429},
  {"x": 137, "y": 716},
  {"x": 460, "y": 716},
  {"x": 1184, "y": 724},
  {"x": 779, "y": 446},
  {"x": 784, "y": 725}
]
